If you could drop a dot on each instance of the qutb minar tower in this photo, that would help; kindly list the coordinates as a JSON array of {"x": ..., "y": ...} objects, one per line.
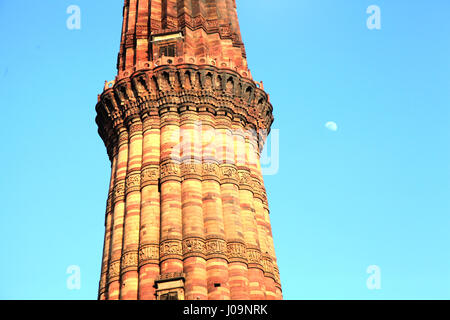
[{"x": 184, "y": 124}]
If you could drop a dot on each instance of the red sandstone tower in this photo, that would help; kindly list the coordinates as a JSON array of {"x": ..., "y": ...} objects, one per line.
[{"x": 184, "y": 124}]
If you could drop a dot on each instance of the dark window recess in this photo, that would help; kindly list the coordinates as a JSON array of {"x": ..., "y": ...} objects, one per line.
[
  {"x": 169, "y": 296},
  {"x": 164, "y": 297},
  {"x": 217, "y": 285},
  {"x": 168, "y": 51}
]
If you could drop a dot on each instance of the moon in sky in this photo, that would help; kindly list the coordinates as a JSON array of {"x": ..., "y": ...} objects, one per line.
[{"x": 331, "y": 125}]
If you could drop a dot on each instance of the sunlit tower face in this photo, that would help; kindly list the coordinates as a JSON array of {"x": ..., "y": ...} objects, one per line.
[{"x": 184, "y": 125}]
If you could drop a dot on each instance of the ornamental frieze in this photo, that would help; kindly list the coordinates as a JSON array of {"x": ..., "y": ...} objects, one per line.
[
  {"x": 129, "y": 260},
  {"x": 229, "y": 174},
  {"x": 210, "y": 170},
  {"x": 149, "y": 253},
  {"x": 258, "y": 190},
  {"x": 193, "y": 247},
  {"x": 119, "y": 191},
  {"x": 254, "y": 256},
  {"x": 277, "y": 275},
  {"x": 114, "y": 269},
  {"x": 170, "y": 170},
  {"x": 133, "y": 181},
  {"x": 245, "y": 180},
  {"x": 171, "y": 249},
  {"x": 111, "y": 114},
  {"x": 216, "y": 248},
  {"x": 150, "y": 175},
  {"x": 267, "y": 264},
  {"x": 236, "y": 252},
  {"x": 210, "y": 26},
  {"x": 191, "y": 170}
]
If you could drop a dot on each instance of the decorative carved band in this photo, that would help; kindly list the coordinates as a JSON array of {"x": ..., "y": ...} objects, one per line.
[
  {"x": 114, "y": 271},
  {"x": 129, "y": 261},
  {"x": 254, "y": 257},
  {"x": 162, "y": 91},
  {"x": 216, "y": 248},
  {"x": 170, "y": 171},
  {"x": 211, "y": 171},
  {"x": 277, "y": 275},
  {"x": 148, "y": 253},
  {"x": 119, "y": 191},
  {"x": 191, "y": 170},
  {"x": 194, "y": 247},
  {"x": 209, "y": 26},
  {"x": 245, "y": 180},
  {"x": 267, "y": 263},
  {"x": 229, "y": 174},
  {"x": 133, "y": 181},
  {"x": 171, "y": 249},
  {"x": 258, "y": 190},
  {"x": 236, "y": 252},
  {"x": 149, "y": 175}
]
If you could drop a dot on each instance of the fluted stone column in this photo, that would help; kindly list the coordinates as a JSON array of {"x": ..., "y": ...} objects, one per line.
[
  {"x": 217, "y": 262},
  {"x": 259, "y": 200},
  {"x": 129, "y": 262},
  {"x": 194, "y": 262},
  {"x": 118, "y": 217},
  {"x": 255, "y": 269},
  {"x": 108, "y": 231},
  {"x": 150, "y": 209},
  {"x": 234, "y": 234},
  {"x": 171, "y": 253},
  {"x": 270, "y": 258}
]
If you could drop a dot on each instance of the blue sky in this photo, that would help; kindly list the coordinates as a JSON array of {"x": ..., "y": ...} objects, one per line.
[{"x": 374, "y": 192}]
